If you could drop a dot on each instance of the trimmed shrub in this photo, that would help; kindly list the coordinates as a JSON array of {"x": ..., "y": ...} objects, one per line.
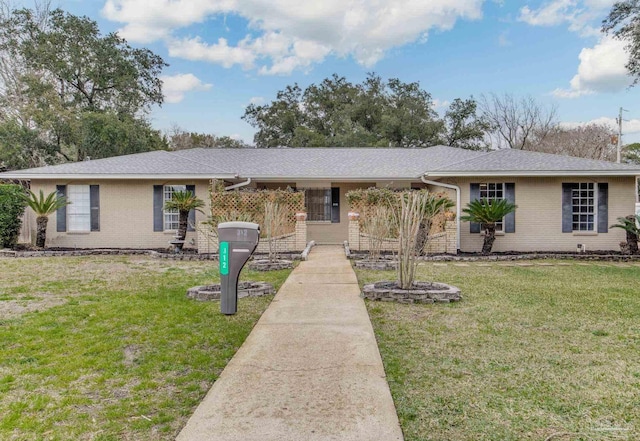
[{"x": 12, "y": 206}]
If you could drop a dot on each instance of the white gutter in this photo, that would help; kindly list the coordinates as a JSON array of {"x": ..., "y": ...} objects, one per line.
[
  {"x": 458, "y": 201},
  {"x": 238, "y": 185}
]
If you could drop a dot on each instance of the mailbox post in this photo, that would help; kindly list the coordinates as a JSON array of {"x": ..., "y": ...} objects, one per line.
[{"x": 237, "y": 242}]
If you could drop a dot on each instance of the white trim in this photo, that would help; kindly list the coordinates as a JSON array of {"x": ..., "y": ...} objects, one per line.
[{"x": 337, "y": 179}]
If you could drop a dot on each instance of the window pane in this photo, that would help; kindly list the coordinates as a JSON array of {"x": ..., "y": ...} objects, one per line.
[
  {"x": 318, "y": 204},
  {"x": 172, "y": 217},
  {"x": 493, "y": 191},
  {"x": 583, "y": 201},
  {"x": 79, "y": 210}
]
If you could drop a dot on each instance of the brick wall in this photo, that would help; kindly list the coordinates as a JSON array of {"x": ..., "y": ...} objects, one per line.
[
  {"x": 296, "y": 241},
  {"x": 438, "y": 243}
]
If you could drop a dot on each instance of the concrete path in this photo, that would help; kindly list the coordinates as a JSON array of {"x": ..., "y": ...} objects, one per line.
[{"x": 309, "y": 370}]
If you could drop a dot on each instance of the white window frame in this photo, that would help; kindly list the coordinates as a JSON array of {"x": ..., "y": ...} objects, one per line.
[
  {"x": 583, "y": 203},
  {"x": 79, "y": 209},
  {"x": 170, "y": 218},
  {"x": 326, "y": 215},
  {"x": 491, "y": 191}
]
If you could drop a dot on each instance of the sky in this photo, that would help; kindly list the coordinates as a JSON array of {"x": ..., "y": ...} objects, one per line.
[{"x": 226, "y": 54}]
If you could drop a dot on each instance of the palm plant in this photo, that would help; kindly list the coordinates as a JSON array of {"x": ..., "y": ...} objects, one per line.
[
  {"x": 432, "y": 207},
  {"x": 487, "y": 212},
  {"x": 43, "y": 207},
  {"x": 183, "y": 202},
  {"x": 630, "y": 225}
]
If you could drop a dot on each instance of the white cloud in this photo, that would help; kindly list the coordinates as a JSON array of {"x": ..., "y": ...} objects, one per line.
[
  {"x": 581, "y": 16},
  {"x": 601, "y": 70},
  {"x": 628, "y": 126},
  {"x": 440, "y": 104},
  {"x": 291, "y": 34},
  {"x": 174, "y": 87},
  {"x": 257, "y": 100},
  {"x": 195, "y": 49}
]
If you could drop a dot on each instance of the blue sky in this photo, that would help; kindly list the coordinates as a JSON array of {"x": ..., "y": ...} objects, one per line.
[{"x": 224, "y": 54}]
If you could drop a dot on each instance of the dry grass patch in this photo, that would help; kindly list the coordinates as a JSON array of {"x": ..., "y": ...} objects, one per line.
[
  {"x": 126, "y": 356},
  {"x": 531, "y": 353}
]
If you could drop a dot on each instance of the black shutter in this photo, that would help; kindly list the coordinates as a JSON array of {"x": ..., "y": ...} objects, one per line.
[
  {"x": 567, "y": 207},
  {"x": 510, "y": 196},
  {"x": 603, "y": 210},
  {"x": 474, "y": 195},
  {"x": 61, "y": 213},
  {"x": 158, "y": 212},
  {"x": 94, "y": 203},
  {"x": 335, "y": 205},
  {"x": 191, "y": 221}
]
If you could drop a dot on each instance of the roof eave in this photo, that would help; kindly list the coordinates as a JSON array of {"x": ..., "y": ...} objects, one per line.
[
  {"x": 114, "y": 176},
  {"x": 534, "y": 173}
]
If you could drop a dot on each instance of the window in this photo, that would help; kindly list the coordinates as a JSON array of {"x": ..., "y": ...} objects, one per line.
[
  {"x": 583, "y": 196},
  {"x": 318, "y": 204},
  {"x": 171, "y": 217},
  {"x": 493, "y": 192},
  {"x": 79, "y": 210}
]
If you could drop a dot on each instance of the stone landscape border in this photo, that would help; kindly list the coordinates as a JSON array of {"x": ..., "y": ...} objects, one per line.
[
  {"x": 245, "y": 289},
  {"x": 504, "y": 257},
  {"x": 127, "y": 252},
  {"x": 422, "y": 292}
]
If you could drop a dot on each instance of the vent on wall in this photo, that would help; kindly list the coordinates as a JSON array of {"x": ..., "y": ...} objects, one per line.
[{"x": 581, "y": 248}]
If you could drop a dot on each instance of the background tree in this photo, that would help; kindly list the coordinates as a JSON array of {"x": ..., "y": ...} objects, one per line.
[
  {"x": 63, "y": 77},
  {"x": 464, "y": 128},
  {"x": 513, "y": 122},
  {"x": 180, "y": 139},
  {"x": 338, "y": 113},
  {"x": 623, "y": 22},
  {"x": 593, "y": 141},
  {"x": 487, "y": 213},
  {"x": 631, "y": 153},
  {"x": 43, "y": 207}
]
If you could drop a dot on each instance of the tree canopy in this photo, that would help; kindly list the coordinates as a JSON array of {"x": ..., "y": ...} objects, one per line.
[
  {"x": 68, "y": 92},
  {"x": 623, "y": 22},
  {"x": 375, "y": 113}
]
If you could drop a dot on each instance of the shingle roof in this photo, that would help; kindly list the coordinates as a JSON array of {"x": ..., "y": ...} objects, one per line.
[
  {"x": 508, "y": 160},
  {"x": 326, "y": 163}
]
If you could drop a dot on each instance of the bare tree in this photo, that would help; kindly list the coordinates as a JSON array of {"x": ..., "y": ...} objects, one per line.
[
  {"x": 514, "y": 121},
  {"x": 593, "y": 141}
]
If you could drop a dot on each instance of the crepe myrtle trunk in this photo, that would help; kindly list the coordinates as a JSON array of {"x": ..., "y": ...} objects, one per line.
[
  {"x": 489, "y": 237},
  {"x": 41, "y": 230}
]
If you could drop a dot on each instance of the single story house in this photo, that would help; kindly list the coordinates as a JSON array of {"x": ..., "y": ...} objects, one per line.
[{"x": 562, "y": 201}]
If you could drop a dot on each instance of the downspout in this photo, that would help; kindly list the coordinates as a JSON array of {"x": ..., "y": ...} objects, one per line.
[
  {"x": 458, "y": 200},
  {"x": 238, "y": 185}
]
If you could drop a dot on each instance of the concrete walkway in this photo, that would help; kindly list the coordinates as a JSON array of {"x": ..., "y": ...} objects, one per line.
[{"x": 309, "y": 370}]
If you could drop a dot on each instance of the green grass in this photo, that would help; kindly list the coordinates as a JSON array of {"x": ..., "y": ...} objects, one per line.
[
  {"x": 110, "y": 348},
  {"x": 531, "y": 353}
]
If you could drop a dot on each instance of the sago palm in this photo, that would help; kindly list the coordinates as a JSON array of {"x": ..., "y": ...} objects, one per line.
[
  {"x": 630, "y": 225},
  {"x": 44, "y": 206},
  {"x": 183, "y": 202},
  {"x": 487, "y": 212}
]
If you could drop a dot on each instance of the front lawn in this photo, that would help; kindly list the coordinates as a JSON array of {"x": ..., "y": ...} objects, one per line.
[
  {"x": 531, "y": 353},
  {"x": 110, "y": 348}
]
